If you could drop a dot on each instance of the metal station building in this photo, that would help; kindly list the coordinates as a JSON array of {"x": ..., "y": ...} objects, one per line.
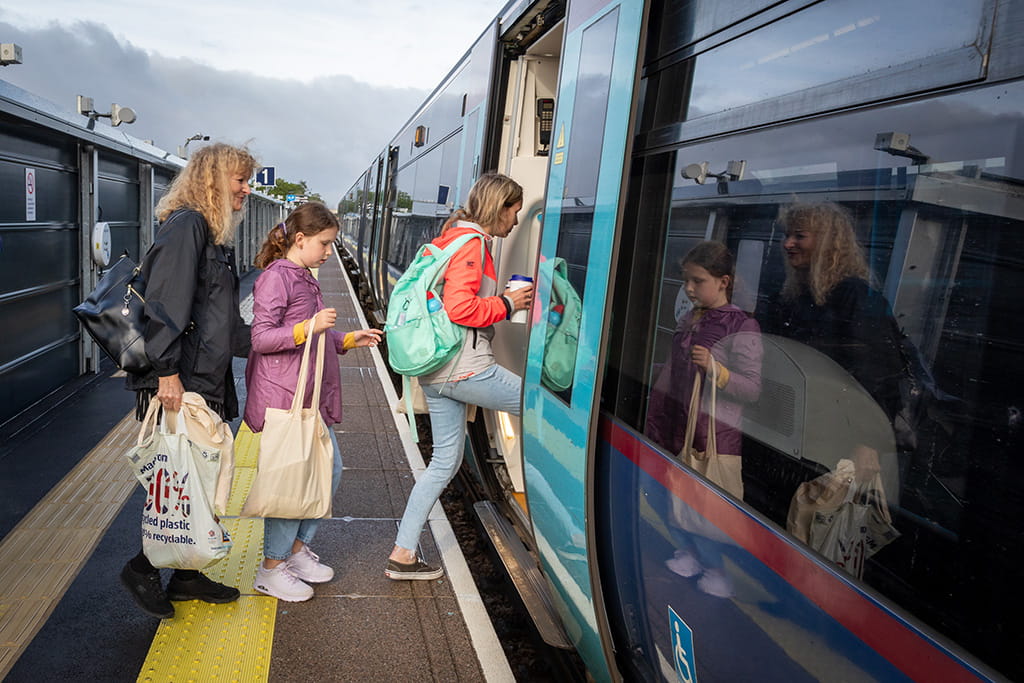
[{"x": 62, "y": 175}]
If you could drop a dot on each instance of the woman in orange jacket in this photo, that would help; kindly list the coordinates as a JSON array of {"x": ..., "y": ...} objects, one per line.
[{"x": 470, "y": 297}]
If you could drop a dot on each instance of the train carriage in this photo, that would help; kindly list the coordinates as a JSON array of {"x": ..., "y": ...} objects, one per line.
[{"x": 641, "y": 128}]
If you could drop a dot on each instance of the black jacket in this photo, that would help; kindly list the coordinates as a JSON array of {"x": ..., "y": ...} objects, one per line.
[
  {"x": 194, "y": 326},
  {"x": 854, "y": 327}
]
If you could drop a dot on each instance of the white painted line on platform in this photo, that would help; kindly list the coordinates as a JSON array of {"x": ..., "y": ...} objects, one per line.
[{"x": 492, "y": 658}]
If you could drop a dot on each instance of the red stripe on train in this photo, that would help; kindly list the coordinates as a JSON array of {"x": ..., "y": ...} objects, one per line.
[{"x": 909, "y": 651}]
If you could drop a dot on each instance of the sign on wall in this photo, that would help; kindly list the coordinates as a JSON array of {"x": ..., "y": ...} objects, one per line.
[{"x": 30, "y": 194}]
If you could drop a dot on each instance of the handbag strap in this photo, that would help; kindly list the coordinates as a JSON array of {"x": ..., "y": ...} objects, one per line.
[
  {"x": 691, "y": 415},
  {"x": 711, "y": 447}
]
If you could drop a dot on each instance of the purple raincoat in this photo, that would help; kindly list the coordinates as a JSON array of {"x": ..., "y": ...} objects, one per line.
[
  {"x": 735, "y": 341},
  {"x": 286, "y": 294}
]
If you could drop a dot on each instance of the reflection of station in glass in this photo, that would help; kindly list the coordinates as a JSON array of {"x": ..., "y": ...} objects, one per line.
[
  {"x": 812, "y": 408},
  {"x": 698, "y": 173},
  {"x": 898, "y": 144}
]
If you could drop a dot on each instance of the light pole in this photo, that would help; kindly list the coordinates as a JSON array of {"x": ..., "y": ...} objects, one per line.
[{"x": 183, "y": 150}]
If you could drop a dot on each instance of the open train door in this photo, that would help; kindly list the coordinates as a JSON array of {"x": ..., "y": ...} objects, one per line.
[{"x": 589, "y": 146}]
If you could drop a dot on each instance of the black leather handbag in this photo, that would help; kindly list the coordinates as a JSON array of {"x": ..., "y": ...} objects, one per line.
[{"x": 114, "y": 316}]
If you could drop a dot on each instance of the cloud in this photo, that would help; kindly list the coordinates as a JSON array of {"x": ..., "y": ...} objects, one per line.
[{"x": 325, "y": 132}]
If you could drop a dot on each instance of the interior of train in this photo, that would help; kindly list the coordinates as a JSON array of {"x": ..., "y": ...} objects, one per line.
[{"x": 532, "y": 79}]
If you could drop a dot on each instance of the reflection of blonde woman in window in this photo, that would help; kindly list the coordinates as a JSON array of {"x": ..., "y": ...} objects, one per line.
[{"x": 827, "y": 303}]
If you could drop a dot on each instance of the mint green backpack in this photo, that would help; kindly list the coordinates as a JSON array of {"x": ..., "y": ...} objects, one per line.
[
  {"x": 420, "y": 336},
  {"x": 563, "y": 331}
]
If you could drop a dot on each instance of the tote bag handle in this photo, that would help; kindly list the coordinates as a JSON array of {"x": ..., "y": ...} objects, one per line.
[
  {"x": 691, "y": 417},
  {"x": 300, "y": 388}
]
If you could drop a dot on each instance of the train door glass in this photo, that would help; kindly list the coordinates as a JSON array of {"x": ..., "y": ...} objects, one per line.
[
  {"x": 579, "y": 195},
  {"x": 930, "y": 234}
]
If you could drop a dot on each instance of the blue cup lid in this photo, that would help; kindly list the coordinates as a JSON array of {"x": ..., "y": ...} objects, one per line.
[{"x": 522, "y": 278}]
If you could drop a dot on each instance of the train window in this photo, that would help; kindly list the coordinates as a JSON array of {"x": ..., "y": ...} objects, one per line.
[
  {"x": 470, "y": 156},
  {"x": 412, "y": 225},
  {"x": 816, "y": 59},
  {"x": 919, "y": 204}
]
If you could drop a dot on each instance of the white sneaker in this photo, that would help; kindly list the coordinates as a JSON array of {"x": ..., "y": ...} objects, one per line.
[
  {"x": 306, "y": 565},
  {"x": 715, "y": 582},
  {"x": 684, "y": 563},
  {"x": 281, "y": 584}
]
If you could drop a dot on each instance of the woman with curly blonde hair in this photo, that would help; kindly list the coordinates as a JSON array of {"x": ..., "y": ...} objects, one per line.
[
  {"x": 193, "y": 327},
  {"x": 828, "y": 304},
  {"x": 821, "y": 250}
]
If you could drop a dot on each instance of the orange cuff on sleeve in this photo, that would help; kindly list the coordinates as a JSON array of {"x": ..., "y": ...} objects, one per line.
[
  {"x": 299, "y": 333},
  {"x": 350, "y": 341},
  {"x": 723, "y": 376}
]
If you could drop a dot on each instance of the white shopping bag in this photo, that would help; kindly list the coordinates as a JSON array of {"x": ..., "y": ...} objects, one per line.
[
  {"x": 179, "y": 528},
  {"x": 856, "y": 530}
]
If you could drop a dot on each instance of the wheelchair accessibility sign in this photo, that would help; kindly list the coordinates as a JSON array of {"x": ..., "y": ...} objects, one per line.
[{"x": 682, "y": 649}]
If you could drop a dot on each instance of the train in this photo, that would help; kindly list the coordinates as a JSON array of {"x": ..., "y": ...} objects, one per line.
[{"x": 640, "y": 128}]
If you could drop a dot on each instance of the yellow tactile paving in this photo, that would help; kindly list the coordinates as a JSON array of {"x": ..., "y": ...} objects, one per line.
[
  {"x": 205, "y": 642},
  {"x": 214, "y": 642},
  {"x": 41, "y": 556}
]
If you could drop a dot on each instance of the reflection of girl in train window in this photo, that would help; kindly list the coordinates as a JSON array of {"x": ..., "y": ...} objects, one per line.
[
  {"x": 708, "y": 279},
  {"x": 827, "y": 303},
  {"x": 713, "y": 331}
]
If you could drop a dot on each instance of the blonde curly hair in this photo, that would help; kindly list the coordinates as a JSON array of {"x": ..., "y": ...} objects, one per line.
[
  {"x": 203, "y": 185},
  {"x": 836, "y": 256}
]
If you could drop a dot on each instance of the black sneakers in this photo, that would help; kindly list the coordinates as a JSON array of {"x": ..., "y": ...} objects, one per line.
[
  {"x": 414, "y": 571},
  {"x": 147, "y": 591},
  {"x": 196, "y": 586}
]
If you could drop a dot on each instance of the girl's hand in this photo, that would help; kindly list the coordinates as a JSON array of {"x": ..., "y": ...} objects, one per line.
[
  {"x": 701, "y": 357},
  {"x": 324, "y": 320},
  {"x": 521, "y": 298},
  {"x": 370, "y": 337}
]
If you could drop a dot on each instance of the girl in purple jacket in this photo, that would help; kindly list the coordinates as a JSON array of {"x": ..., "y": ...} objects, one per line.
[
  {"x": 714, "y": 331},
  {"x": 288, "y": 306}
]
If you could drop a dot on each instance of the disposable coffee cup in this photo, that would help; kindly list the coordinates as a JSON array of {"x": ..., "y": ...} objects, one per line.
[{"x": 518, "y": 282}]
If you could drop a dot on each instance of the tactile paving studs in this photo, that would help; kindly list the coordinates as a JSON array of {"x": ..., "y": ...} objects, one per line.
[
  {"x": 205, "y": 642},
  {"x": 239, "y": 568},
  {"x": 247, "y": 446}
]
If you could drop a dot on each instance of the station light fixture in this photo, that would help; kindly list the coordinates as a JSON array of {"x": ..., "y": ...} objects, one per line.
[
  {"x": 10, "y": 53},
  {"x": 183, "y": 149},
  {"x": 117, "y": 113}
]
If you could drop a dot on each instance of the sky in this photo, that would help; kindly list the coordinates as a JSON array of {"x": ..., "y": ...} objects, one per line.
[{"x": 315, "y": 89}]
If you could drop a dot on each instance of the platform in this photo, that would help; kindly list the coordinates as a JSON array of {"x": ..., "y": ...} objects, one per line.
[{"x": 69, "y": 516}]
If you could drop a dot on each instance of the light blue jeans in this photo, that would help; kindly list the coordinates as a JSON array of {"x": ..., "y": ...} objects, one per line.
[
  {"x": 495, "y": 388},
  {"x": 279, "y": 534}
]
